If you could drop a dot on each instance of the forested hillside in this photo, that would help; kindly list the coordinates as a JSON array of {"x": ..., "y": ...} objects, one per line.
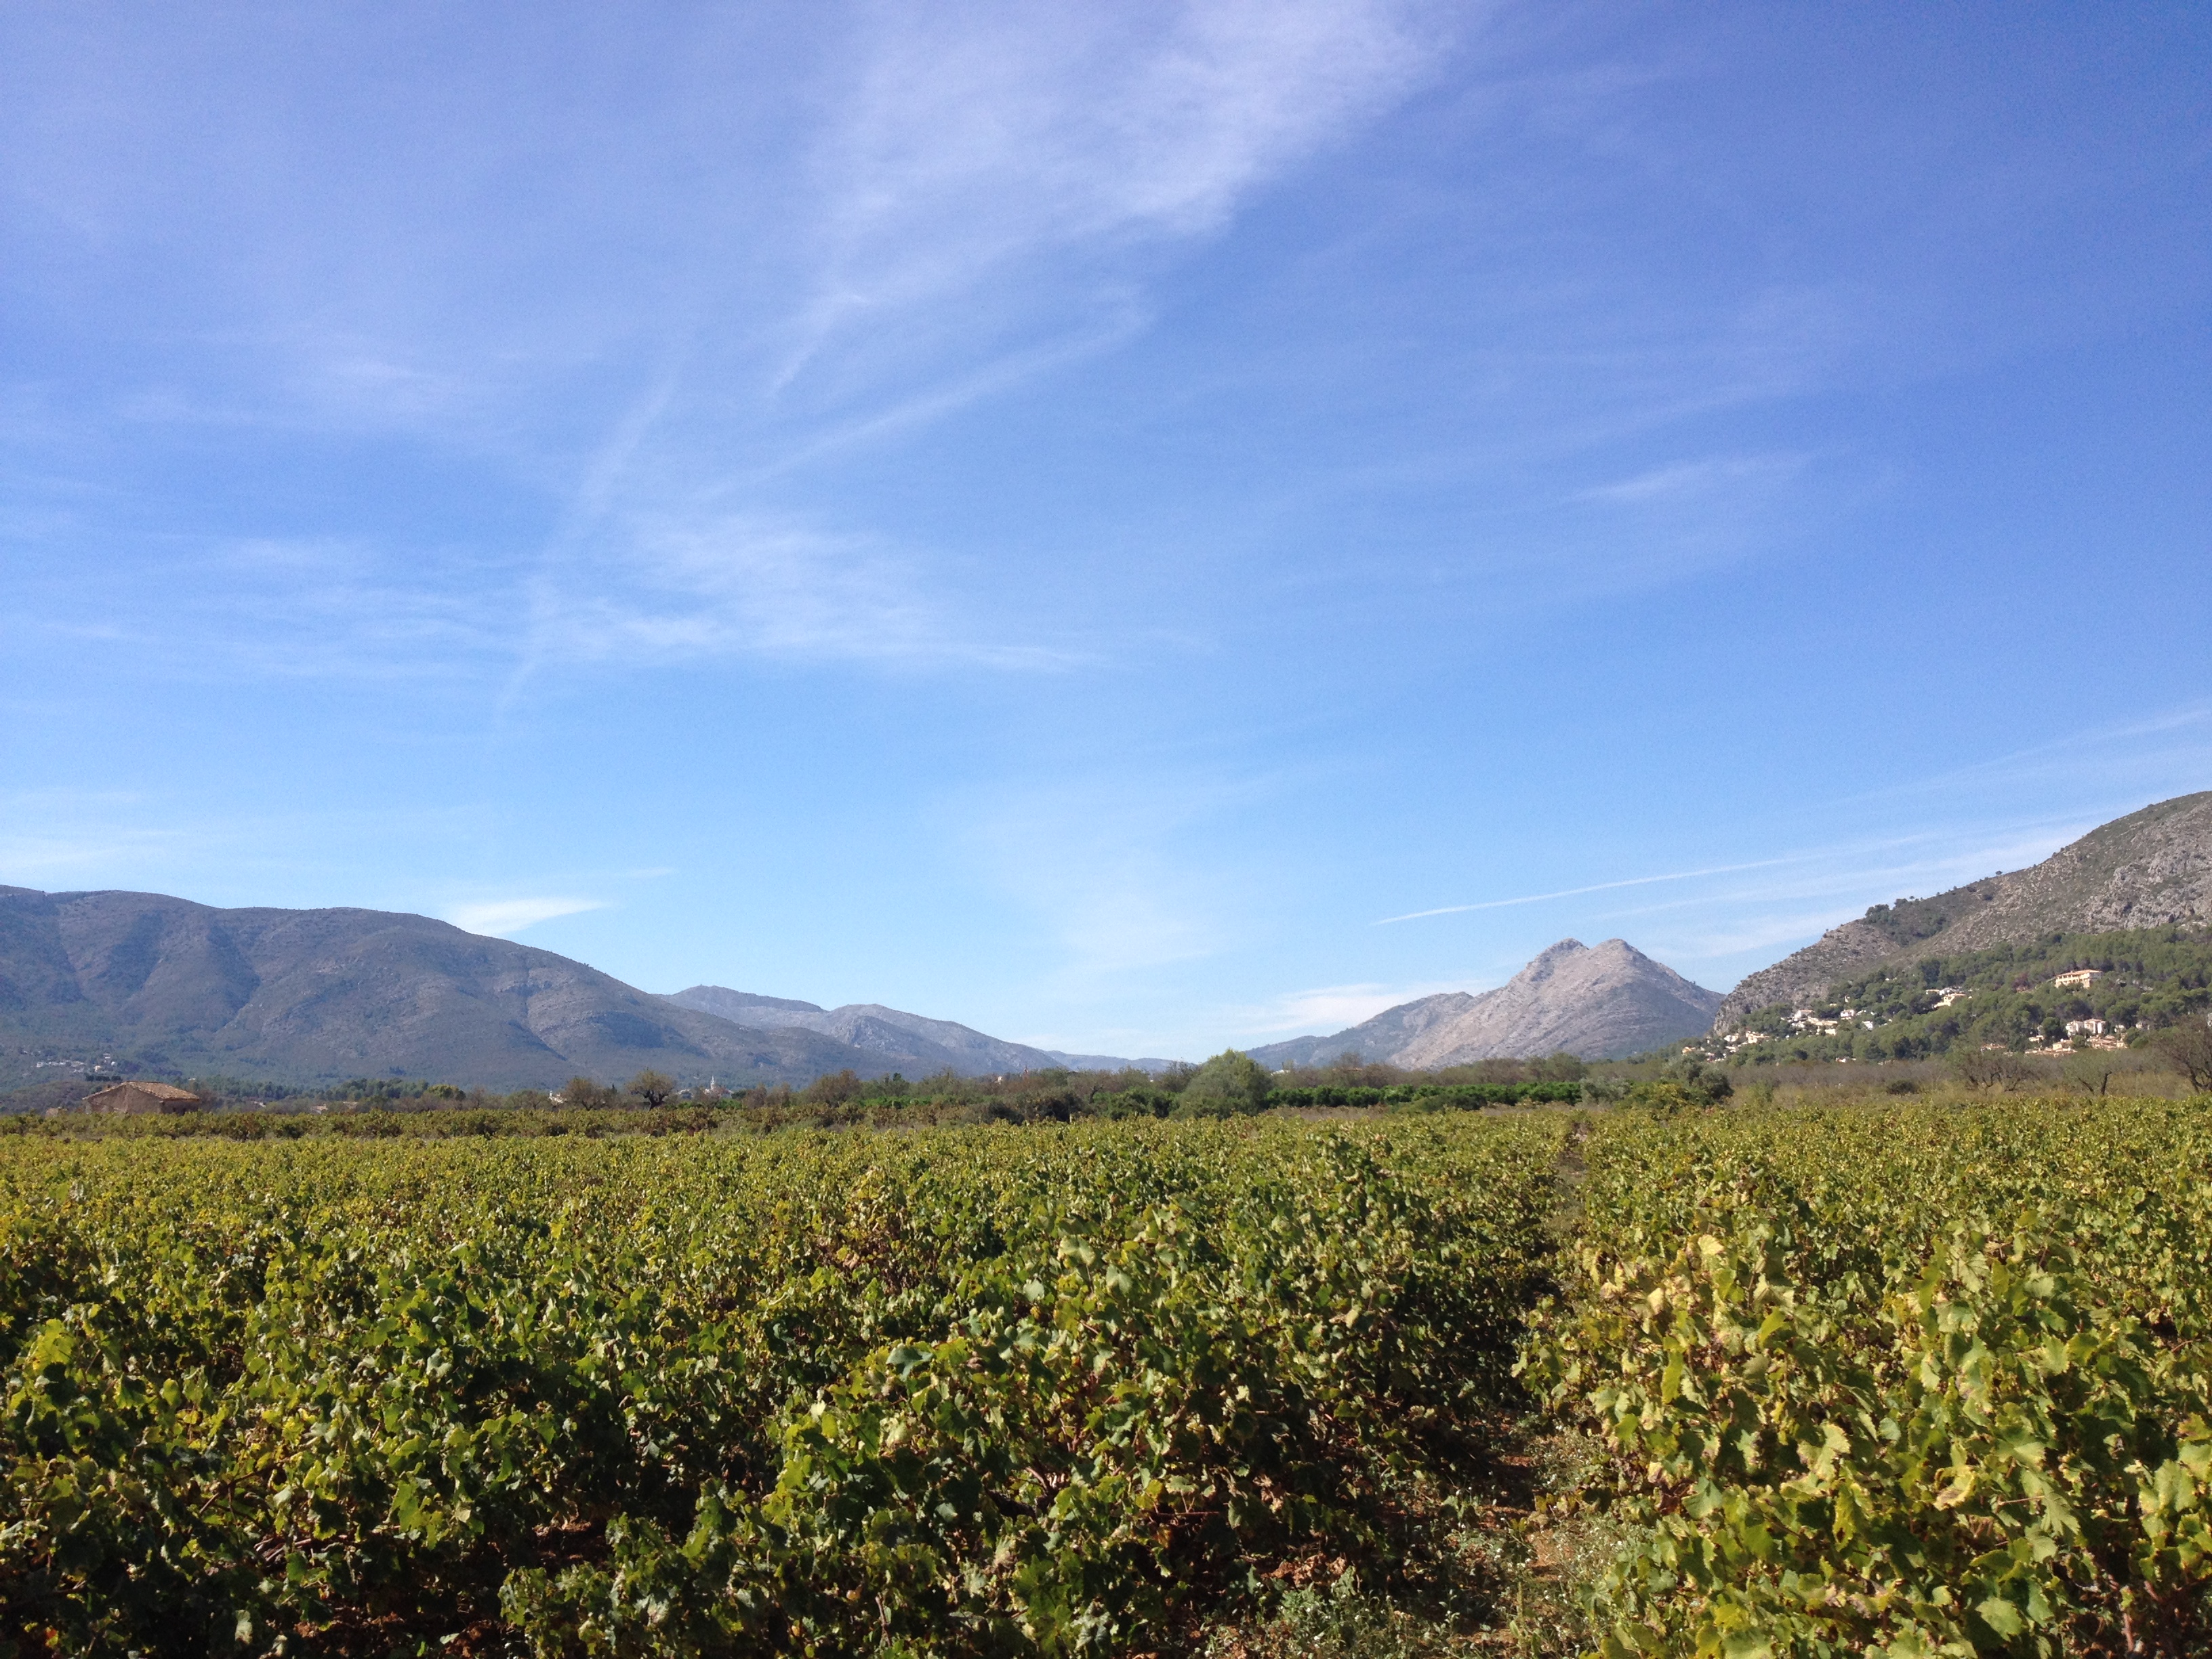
[
  {"x": 2146, "y": 980},
  {"x": 2151, "y": 869}
]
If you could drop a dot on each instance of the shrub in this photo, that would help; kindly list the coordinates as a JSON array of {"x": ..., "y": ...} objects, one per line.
[
  {"x": 1230, "y": 1084},
  {"x": 834, "y": 1088},
  {"x": 1691, "y": 1087}
]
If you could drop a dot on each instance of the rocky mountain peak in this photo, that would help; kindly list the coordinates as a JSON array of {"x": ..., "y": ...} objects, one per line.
[
  {"x": 1548, "y": 961},
  {"x": 1592, "y": 1001}
]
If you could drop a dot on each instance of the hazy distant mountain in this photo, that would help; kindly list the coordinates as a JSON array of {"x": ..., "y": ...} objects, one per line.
[
  {"x": 1596, "y": 1002},
  {"x": 1151, "y": 1063},
  {"x": 309, "y": 996},
  {"x": 897, "y": 1041},
  {"x": 1380, "y": 1039},
  {"x": 909, "y": 1044},
  {"x": 2149, "y": 869}
]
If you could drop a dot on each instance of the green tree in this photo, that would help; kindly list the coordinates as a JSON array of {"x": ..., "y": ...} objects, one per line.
[
  {"x": 653, "y": 1087},
  {"x": 580, "y": 1091},
  {"x": 835, "y": 1088},
  {"x": 1230, "y": 1084},
  {"x": 1558, "y": 1067}
]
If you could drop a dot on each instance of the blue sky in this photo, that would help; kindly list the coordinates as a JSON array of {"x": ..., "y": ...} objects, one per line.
[{"x": 1135, "y": 528}]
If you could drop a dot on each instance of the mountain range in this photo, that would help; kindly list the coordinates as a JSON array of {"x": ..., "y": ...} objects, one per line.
[
  {"x": 2149, "y": 869},
  {"x": 895, "y": 1040},
  {"x": 303, "y": 996},
  {"x": 165, "y": 986},
  {"x": 1598, "y": 1001}
]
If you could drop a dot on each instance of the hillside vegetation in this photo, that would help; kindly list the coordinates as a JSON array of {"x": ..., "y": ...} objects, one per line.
[
  {"x": 2150, "y": 870},
  {"x": 2003, "y": 996}
]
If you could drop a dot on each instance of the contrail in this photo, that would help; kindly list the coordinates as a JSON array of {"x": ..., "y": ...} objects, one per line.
[
  {"x": 1844, "y": 850},
  {"x": 1595, "y": 887}
]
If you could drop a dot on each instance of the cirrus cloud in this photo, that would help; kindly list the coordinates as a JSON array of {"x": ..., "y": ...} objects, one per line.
[{"x": 501, "y": 917}]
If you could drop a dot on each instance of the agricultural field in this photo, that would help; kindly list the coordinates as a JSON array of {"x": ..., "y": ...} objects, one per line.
[
  {"x": 1897, "y": 1380},
  {"x": 980, "y": 1390},
  {"x": 1908, "y": 1377}
]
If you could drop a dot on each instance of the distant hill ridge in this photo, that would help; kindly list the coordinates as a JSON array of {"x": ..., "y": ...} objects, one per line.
[
  {"x": 911, "y": 1044},
  {"x": 1597, "y": 1001},
  {"x": 2150, "y": 869},
  {"x": 309, "y": 996},
  {"x": 317, "y": 996}
]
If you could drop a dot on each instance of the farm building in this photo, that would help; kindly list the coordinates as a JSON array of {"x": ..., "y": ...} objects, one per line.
[{"x": 143, "y": 1097}]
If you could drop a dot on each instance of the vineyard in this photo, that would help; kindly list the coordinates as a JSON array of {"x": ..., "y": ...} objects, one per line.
[
  {"x": 1920, "y": 1378},
  {"x": 1906, "y": 1382}
]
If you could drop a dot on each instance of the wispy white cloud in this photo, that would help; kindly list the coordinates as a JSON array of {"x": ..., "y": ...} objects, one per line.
[
  {"x": 1836, "y": 884},
  {"x": 300, "y": 608},
  {"x": 2162, "y": 752},
  {"x": 1119, "y": 893},
  {"x": 1796, "y": 895},
  {"x": 989, "y": 194},
  {"x": 175, "y": 840},
  {"x": 979, "y": 143},
  {"x": 1333, "y": 1007},
  {"x": 56, "y": 833},
  {"x": 30, "y": 860},
  {"x": 989, "y": 199},
  {"x": 933, "y": 208},
  {"x": 1723, "y": 929},
  {"x": 499, "y": 917},
  {"x": 1117, "y": 319},
  {"x": 674, "y": 586},
  {"x": 1113, "y": 905},
  {"x": 1594, "y": 887},
  {"x": 2155, "y": 751},
  {"x": 1692, "y": 481}
]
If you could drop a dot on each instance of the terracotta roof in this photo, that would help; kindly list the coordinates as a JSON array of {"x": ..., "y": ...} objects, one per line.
[{"x": 159, "y": 1091}]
